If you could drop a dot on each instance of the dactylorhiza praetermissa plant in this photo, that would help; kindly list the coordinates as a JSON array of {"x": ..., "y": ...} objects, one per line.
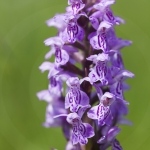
[{"x": 93, "y": 104}]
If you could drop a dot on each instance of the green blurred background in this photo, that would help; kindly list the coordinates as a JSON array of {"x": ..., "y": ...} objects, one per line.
[{"x": 22, "y": 31}]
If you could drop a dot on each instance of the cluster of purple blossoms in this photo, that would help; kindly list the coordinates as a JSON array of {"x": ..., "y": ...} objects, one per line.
[{"x": 88, "y": 59}]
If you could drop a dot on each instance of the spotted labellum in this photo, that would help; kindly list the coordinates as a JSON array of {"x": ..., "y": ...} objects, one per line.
[{"x": 86, "y": 81}]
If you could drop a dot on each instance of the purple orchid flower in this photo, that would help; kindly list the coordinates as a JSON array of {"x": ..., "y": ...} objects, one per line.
[
  {"x": 47, "y": 66},
  {"x": 53, "y": 109},
  {"x": 109, "y": 139},
  {"x": 77, "y": 5},
  {"x": 55, "y": 104},
  {"x": 56, "y": 78},
  {"x": 61, "y": 56},
  {"x": 55, "y": 85},
  {"x": 81, "y": 131},
  {"x": 106, "y": 13},
  {"x": 115, "y": 43},
  {"x": 73, "y": 32},
  {"x": 100, "y": 71},
  {"x": 99, "y": 41},
  {"x": 75, "y": 98},
  {"x": 118, "y": 85},
  {"x": 101, "y": 112}
]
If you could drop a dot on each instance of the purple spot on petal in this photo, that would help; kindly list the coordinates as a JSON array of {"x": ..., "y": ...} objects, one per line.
[
  {"x": 110, "y": 15},
  {"x": 99, "y": 40},
  {"x": 70, "y": 97},
  {"x": 82, "y": 129},
  {"x": 118, "y": 88},
  {"x": 58, "y": 54},
  {"x": 53, "y": 82},
  {"x": 72, "y": 30}
]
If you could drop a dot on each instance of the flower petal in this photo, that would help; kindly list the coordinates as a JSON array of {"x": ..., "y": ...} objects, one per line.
[
  {"x": 77, "y": 7},
  {"x": 70, "y": 146},
  {"x": 92, "y": 113},
  {"x": 54, "y": 71},
  {"x": 102, "y": 140},
  {"x": 57, "y": 21},
  {"x": 50, "y": 53},
  {"x": 73, "y": 82},
  {"x": 89, "y": 131},
  {"x": 121, "y": 43},
  {"x": 85, "y": 79},
  {"x": 107, "y": 95},
  {"x": 117, "y": 90},
  {"x": 92, "y": 58},
  {"x": 74, "y": 138},
  {"x": 112, "y": 133},
  {"x": 84, "y": 99},
  {"x": 70, "y": 49},
  {"x": 122, "y": 120},
  {"x": 94, "y": 21},
  {"x": 103, "y": 57},
  {"x": 82, "y": 110},
  {"x": 117, "y": 61},
  {"x": 46, "y": 66},
  {"x": 74, "y": 31},
  {"x": 93, "y": 76},
  {"x": 102, "y": 5},
  {"x": 123, "y": 75},
  {"x": 83, "y": 140},
  {"x": 116, "y": 145},
  {"x": 98, "y": 42},
  {"x": 61, "y": 57},
  {"x": 118, "y": 108},
  {"x": 44, "y": 95},
  {"x": 53, "y": 41},
  {"x": 104, "y": 26}
]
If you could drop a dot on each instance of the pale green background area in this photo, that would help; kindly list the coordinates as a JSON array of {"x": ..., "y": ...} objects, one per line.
[{"x": 22, "y": 31}]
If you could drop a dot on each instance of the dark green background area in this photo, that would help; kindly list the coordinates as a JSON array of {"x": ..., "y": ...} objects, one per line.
[{"x": 22, "y": 32}]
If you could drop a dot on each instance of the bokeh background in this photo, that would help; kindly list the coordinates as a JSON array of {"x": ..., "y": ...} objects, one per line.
[{"x": 22, "y": 31}]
